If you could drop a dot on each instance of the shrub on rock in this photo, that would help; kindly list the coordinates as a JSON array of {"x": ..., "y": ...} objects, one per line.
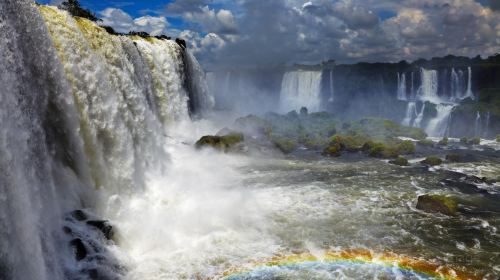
[
  {"x": 443, "y": 142},
  {"x": 453, "y": 157},
  {"x": 432, "y": 161},
  {"x": 401, "y": 161},
  {"x": 224, "y": 143}
]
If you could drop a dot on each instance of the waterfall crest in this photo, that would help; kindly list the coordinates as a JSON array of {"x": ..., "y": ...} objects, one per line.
[
  {"x": 301, "y": 89},
  {"x": 82, "y": 112}
]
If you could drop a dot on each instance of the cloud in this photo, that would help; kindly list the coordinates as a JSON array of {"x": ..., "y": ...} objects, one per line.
[
  {"x": 123, "y": 22},
  {"x": 264, "y": 32}
]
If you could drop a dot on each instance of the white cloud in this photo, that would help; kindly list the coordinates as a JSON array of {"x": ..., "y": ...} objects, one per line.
[{"x": 123, "y": 22}]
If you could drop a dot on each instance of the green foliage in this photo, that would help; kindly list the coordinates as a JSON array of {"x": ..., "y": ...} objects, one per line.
[
  {"x": 443, "y": 142},
  {"x": 437, "y": 203},
  {"x": 464, "y": 140},
  {"x": 401, "y": 161},
  {"x": 75, "y": 9},
  {"x": 426, "y": 143},
  {"x": 406, "y": 147},
  {"x": 498, "y": 138},
  {"x": 285, "y": 145},
  {"x": 474, "y": 141},
  {"x": 333, "y": 150},
  {"x": 432, "y": 161}
]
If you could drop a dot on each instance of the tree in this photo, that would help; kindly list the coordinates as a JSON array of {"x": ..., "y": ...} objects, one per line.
[{"x": 74, "y": 8}]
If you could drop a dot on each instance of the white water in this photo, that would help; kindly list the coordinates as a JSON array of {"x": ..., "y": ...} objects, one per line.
[
  {"x": 332, "y": 93},
  {"x": 402, "y": 86},
  {"x": 301, "y": 89},
  {"x": 428, "y": 90},
  {"x": 420, "y": 116},
  {"x": 84, "y": 116},
  {"x": 477, "y": 126},
  {"x": 411, "y": 114},
  {"x": 438, "y": 126},
  {"x": 468, "y": 92}
]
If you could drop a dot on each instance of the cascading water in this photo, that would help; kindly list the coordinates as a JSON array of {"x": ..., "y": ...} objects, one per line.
[
  {"x": 477, "y": 126},
  {"x": 428, "y": 90},
  {"x": 84, "y": 116},
  {"x": 439, "y": 125},
  {"x": 420, "y": 116},
  {"x": 402, "y": 86},
  {"x": 301, "y": 89},
  {"x": 411, "y": 114},
  {"x": 468, "y": 92},
  {"x": 332, "y": 93}
]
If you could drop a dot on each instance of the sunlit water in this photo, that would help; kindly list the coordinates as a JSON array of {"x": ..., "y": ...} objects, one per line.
[{"x": 215, "y": 215}]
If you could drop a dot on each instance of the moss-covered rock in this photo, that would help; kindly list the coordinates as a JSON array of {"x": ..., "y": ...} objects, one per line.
[
  {"x": 444, "y": 141},
  {"x": 498, "y": 138},
  {"x": 426, "y": 143},
  {"x": 333, "y": 150},
  {"x": 406, "y": 148},
  {"x": 453, "y": 157},
  {"x": 437, "y": 204},
  {"x": 432, "y": 161},
  {"x": 401, "y": 161},
  {"x": 223, "y": 143},
  {"x": 474, "y": 141},
  {"x": 285, "y": 145}
]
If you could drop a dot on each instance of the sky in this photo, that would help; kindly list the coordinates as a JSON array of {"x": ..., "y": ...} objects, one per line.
[{"x": 252, "y": 33}]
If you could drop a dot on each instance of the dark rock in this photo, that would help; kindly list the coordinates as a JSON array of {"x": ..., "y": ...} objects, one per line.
[
  {"x": 139, "y": 33},
  {"x": 303, "y": 111},
  {"x": 79, "y": 215},
  {"x": 437, "y": 204},
  {"x": 79, "y": 247},
  {"x": 163, "y": 37},
  {"x": 110, "y": 30},
  {"x": 181, "y": 42},
  {"x": 466, "y": 187},
  {"x": 224, "y": 143},
  {"x": 453, "y": 157},
  {"x": 67, "y": 230},
  {"x": 104, "y": 227},
  {"x": 74, "y": 8}
]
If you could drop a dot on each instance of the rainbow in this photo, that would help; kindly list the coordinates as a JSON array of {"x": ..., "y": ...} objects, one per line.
[{"x": 350, "y": 258}]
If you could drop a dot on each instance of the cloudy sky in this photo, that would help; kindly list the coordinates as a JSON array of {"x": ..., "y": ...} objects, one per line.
[{"x": 272, "y": 32}]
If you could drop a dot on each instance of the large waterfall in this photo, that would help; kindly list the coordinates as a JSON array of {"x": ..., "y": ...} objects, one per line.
[
  {"x": 301, "y": 89},
  {"x": 82, "y": 113}
]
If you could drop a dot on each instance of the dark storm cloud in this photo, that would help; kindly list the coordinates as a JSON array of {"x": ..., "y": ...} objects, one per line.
[
  {"x": 259, "y": 32},
  {"x": 495, "y": 5}
]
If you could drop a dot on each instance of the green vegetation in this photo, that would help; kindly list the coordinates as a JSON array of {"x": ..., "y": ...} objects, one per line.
[
  {"x": 464, "y": 140},
  {"x": 474, "y": 141},
  {"x": 432, "y": 161},
  {"x": 498, "y": 138},
  {"x": 426, "y": 143},
  {"x": 224, "y": 143},
  {"x": 75, "y": 9},
  {"x": 401, "y": 161},
  {"x": 322, "y": 131},
  {"x": 443, "y": 142}
]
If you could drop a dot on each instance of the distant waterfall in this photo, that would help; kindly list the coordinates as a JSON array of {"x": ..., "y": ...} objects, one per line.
[
  {"x": 468, "y": 92},
  {"x": 487, "y": 125},
  {"x": 420, "y": 116},
  {"x": 402, "y": 86},
  {"x": 301, "y": 89},
  {"x": 428, "y": 90},
  {"x": 82, "y": 112},
  {"x": 477, "y": 127},
  {"x": 411, "y": 114},
  {"x": 332, "y": 93},
  {"x": 439, "y": 125}
]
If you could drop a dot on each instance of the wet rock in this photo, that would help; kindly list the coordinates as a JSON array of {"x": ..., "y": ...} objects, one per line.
[
  {"x": 79, "y": 215},
  {"x": 453, "y": 157},
  {"x": 463, "y": 186},
  {"x": 104, "y": 227},
  {"x": 303, "y": 111},
  {"x": 67, "y": 230},
  {"x": 181, "y": 42},
  {"x": 432, "y": 161},
  {"x": 401, "y": 161},
  {"x": 79, "y": 247},
  {"x": 333, "y": 150},
  {"x": 225, "y": 143},
  {"x": 437, "y": 204}
]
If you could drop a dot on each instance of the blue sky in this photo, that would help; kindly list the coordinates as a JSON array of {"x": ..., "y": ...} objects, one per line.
[{"x": 272, "y": 32}]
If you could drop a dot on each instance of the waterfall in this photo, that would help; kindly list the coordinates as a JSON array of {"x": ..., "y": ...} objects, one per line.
[
  {"x": 428, "y": 90},
  {"x": 477, "y": 127},
  {"x": 402, "y": 86},
  {"x": 487, "y": 125},
  {"x": 455, "y": 85},
  {"x": 301, "y": 89},
  {"x": 83, "y": 113},
  {"x": 411, "y": 114},
  {"x": 438, "y": 126},
  {"x": 200, "y": 99},
  {"x": 420, "y": 116},
  {"x": 468, "y": 92},
  {"x": 412, "y": 88},
  {"x": 331, "y": 87}
]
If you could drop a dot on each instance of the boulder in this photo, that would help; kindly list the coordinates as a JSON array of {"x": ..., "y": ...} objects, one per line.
[
  {"x": 104, "y": 227},
  {"x": 401, "y": 161},
  {"x": 79, "y": 249},
  {"x": 437, "y": 204},
  {"x": 79, "y": 215},
  {"x": 453, "y": 157},
  {"x": 224, "y": 143}
]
